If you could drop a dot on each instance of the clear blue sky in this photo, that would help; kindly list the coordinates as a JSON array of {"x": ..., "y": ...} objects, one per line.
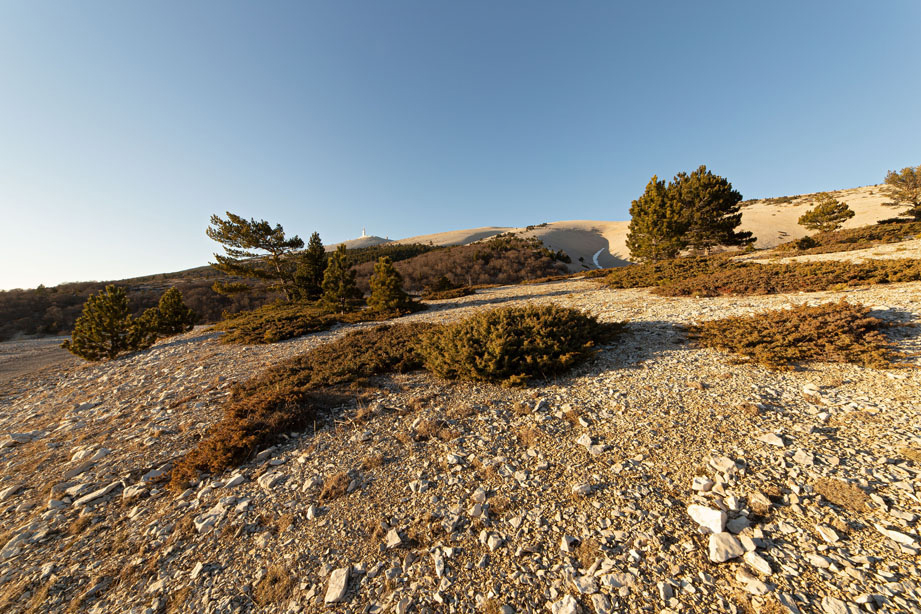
[{"x": 125, "y": 125}]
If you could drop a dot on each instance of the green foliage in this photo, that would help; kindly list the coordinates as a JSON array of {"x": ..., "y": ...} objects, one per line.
[
  {"x": 311, "y": 264},
  {"x": 752, "y": 278},
  {"x": 172, "y": 316},
  {"x": 827, "y": 216},
  {"x": 288, "y": 396},
  {"x": 711, "y": 209},
  {"x": 699, "y": 210},
  {"x": 514, "y": 344},
  {"x": 387, "y": 294},
  {"x": 255, "y": 250},
  {"x": 833, "y": 332},
  {"x": 395, "y": 251},
  {"x": 339, "y": 290},
  {"x": 657, "y": 225},
  {"x": 804, "y": 243},
  {"x": 106, "y": 328},
  {"x": 904, "y": 188}
]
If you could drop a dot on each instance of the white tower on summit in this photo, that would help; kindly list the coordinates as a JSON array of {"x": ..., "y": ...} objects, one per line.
[{"x": 363, "y": 233}]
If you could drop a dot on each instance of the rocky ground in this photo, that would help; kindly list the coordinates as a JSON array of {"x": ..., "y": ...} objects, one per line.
[{"x": 656, "y": 478}]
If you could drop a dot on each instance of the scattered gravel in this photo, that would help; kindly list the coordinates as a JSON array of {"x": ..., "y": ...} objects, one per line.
[{"x": 655, "y": 478}]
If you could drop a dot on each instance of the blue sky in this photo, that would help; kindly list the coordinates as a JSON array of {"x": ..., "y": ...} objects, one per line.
[{"x": 125, "y": 125}]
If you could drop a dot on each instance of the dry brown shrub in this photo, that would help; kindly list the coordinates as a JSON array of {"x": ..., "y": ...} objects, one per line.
[
  {"x": 749, "y": 409},
  {"x": 842, "y": 494},
  {"x": 284, "y": 522},
  {"x": 572, "y": 417},
  {"x": 500, "y": 506},
  {"x": 176, "y": 600},
  {"x": 372, "y": 461},
  {"x": 530, "y": 435},
  {"x": 753, "y": 279},
  {"x": 79, "y": 524},
  {"x": 428, "y": 428},
  {"x": 275, "y": 586},
  {"x": 288, "y": 396},
  {"x": 833, "y": 332},
  {"x": 335, "y": 486},
  {"x": 911, "y": 453},
  {"x": 587, "y": 552},
  {"x": 521, "y": 409}
]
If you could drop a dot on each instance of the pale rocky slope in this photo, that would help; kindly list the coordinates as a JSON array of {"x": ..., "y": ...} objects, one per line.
[
  {"x": 771, "y": 221},
  {"x": 585, "y": 510}
]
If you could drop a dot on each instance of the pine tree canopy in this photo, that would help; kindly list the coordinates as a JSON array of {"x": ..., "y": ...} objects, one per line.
[
  {"x": 699, "y": 210},
  {"x": 339, "y": 289},
  {"x": 904, "y": 188},
  {"x": 711, "y": 209},
  {"x": 657, "y": 225},
  {"x": 387, "y": 295},
  {"x": 105, "y": 329},
  {"x": 828, "y": 215},
  {"x": 311, "y": 264},
  {"x": 255, "y": 250}
]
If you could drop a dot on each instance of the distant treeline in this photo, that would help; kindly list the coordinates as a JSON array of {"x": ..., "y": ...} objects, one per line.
[
  {"x": 53, "y": 311},
  {"x": 504, "y": 259}
]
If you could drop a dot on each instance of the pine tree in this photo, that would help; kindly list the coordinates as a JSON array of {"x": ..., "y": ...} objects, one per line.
[
  {"x": 172, "y": 314},
  {"x": 657, "y": 225},
  {"x": 105, "y": 329},
  {"x": 387, "y": 295},
  {"x": 339, "y": 289},
  {"x": 828, "y": 215},
  {"x": 311, "y": 265},
  {"x": 244, "y": 241},
  {"x": 904, "y": 188},
  {"x": 711, "y": 210}
]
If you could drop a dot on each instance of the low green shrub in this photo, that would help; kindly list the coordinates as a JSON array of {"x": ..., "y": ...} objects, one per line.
[
  {"x": 514, "y": 344},
  {"x": 780, "y": 339},
  {"x": 508, "y": 345}
]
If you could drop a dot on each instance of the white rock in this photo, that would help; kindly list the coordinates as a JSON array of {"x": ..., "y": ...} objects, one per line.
[
  {"x": 566, "y": 605},
  {"x": 582, "y": 489},
  {"x": 737, "y": 525},
  {"x": 270, "y": 480},
  {"x": 827, "y": 533},
  {"x": 709, "y": 518},
  {"x": 235, "y": 481},
  {"x": 568, "y": 543},
  {"x": 196, "y": 570},
  {"x": 601, "y": 604},
  {"x": 724, "y": 546},
  {"x": 772, "y": 440},
  {"x": 8, "y": 492},
  {"x": 338, "y": 585},
  {"x": 757, "y": 562},
  {"x": 586, "y": 585},
  {"x": 896, "y": 536},
  {"x": 493, "y": 542},
  {"x": 702, "y": 484},
  {"x": 393, "y": 538},
  {"x": 830, "y": 605},
  {"x": 97, "y": 494}
]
